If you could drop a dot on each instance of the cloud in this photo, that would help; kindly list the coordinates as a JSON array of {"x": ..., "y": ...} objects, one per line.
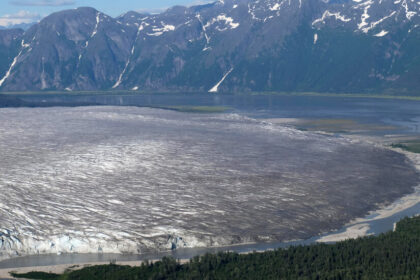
[
  {"x": 53, "y": 3},
  {"x": 19, "y": 17}
]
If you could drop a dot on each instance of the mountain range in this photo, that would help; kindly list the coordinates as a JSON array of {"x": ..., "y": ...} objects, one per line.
[{"x": 227, "y": 46}]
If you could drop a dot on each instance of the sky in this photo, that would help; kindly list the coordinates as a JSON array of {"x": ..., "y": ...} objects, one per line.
[{"x": 26, "y": 11}]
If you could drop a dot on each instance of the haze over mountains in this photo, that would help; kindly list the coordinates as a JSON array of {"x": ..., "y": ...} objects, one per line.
[
  {"x": 24, "y": 26},
  {"x": 231, "y": 45}
]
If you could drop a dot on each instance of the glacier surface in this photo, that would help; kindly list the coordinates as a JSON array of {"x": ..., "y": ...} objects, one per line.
[{"x": 135, "y": 180}]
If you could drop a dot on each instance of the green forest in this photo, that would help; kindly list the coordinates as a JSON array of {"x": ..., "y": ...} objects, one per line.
[{"x": 393, "y": 255}]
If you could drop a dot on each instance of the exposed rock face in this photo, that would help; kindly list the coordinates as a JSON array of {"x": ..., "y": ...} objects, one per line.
[
  {"x": 9, "y": 46},
  {"x": 232, "y": 45}
]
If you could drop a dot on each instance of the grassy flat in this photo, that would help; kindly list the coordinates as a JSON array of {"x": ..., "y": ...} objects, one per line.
[
  {"x": 347, "y": 95},
  {"x": 333, "y": 125},
  {"x": 410, "y": 146}
]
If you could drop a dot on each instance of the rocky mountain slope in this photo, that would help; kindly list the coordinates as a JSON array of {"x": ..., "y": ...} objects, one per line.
[{"x": 231, "y": 45}]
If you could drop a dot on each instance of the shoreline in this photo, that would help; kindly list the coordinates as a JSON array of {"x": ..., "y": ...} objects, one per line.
[
  {"x": 359, "y": 227},
  {"x": 407, "y": 96}
]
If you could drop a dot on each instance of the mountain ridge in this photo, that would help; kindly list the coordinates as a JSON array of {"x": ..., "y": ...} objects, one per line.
[{"x": 232, "y": 45}]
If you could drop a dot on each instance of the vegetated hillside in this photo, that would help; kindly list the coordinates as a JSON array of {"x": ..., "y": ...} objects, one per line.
[
  {"x": 232, "y": 45},
  {"x": 394, "y": 255}
]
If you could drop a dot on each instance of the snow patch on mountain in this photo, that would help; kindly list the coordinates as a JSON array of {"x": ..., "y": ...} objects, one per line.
[
  {"x": 95, "y": 30},
  {"x": 228, "y": 21},
  {"x": 204, "y": 31},
  {"x": 15, "y": 60},
  {"x": 381, "y": 34},
  {"x": 276, "y": 7},
  {"x": 216, "y": 87},
  {"x": 365, "y": 15},
  {"x": 408, "y": 14},
  {"x": 374, "y": 24},
  {"x": 118, "y": 82},
  {"x": 163, "y": 29},
  {"x": 328, "y": 14}
]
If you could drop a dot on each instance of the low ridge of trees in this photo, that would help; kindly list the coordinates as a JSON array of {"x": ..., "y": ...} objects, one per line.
[{"x": 393, "y": 255}]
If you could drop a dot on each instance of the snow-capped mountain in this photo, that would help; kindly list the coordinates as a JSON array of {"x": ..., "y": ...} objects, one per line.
[{"x": 231, "y": 45}]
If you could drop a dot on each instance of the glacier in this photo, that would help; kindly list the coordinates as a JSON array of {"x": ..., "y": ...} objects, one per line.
[{"x": 138, "y": 180}]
